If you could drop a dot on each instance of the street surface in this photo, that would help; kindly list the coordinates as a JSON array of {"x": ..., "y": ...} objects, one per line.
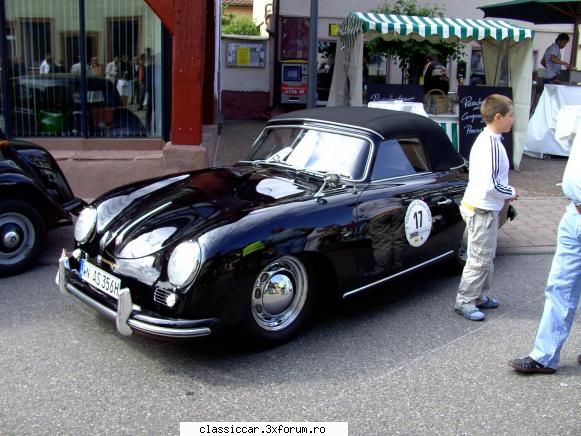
[{"x": 396, "y": 360}]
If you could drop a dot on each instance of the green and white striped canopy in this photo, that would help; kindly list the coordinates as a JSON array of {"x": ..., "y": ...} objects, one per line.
[{"x": 437, "y": 28}]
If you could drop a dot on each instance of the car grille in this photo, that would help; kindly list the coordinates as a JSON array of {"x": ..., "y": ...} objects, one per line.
[{"x": 160, "y": 295}]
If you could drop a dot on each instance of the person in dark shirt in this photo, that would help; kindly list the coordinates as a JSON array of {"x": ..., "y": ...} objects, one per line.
[{"x": 435, "y": 75}]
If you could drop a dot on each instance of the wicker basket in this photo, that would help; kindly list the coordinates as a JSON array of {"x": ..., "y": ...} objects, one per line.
[{"x": 436, "y": 102}]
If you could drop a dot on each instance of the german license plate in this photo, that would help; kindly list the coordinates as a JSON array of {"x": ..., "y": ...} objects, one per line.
[{"x": 100, "y": 279}]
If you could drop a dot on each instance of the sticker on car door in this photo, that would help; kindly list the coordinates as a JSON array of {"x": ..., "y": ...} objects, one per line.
[{"x": 418, "y": 223}]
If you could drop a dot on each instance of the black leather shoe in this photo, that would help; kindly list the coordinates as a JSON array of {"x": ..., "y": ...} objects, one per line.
[{"x": 528, "y": 365}]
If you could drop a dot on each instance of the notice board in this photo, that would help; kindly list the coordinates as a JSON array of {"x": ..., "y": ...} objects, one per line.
[
  {"x": 391, "y": 92},
  {"x": 470, "y": 119}
]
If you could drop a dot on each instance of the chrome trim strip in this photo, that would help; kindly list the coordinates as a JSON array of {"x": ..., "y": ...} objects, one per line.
[
  {"x": 397, "y": 178},
  {"x": 348, "y": 294},
  {"x": 292, "y": 122}
]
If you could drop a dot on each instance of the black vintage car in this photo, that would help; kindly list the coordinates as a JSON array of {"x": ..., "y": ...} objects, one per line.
[
  {"x": 329, "y": 202},
  {"x": 34, "y": 197},
  {"x": 50, "y": 105}
]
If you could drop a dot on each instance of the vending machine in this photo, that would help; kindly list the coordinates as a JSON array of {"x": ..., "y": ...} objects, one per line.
[{"x": 293, "y": 84}]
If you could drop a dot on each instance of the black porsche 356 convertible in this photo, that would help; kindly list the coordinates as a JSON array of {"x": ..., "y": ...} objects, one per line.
[{"x": 329, "y": 202}]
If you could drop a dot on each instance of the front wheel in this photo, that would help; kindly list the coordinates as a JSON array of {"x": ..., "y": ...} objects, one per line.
[
  {"x": 22, "y": 233},
  {"x": 281, "y": 300}
]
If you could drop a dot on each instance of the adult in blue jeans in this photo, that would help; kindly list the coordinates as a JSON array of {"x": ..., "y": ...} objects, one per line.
[{"x": 564, "y": 282}]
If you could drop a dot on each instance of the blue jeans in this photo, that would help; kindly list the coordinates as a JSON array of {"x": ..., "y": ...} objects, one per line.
[{"x": 562, "y": 291}]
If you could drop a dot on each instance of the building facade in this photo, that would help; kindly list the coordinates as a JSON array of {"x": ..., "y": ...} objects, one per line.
[{"x": 108, "y": 86}]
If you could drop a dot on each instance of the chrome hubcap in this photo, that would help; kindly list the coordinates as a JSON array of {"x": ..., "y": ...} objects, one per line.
[
  {"x": 11, "y": 239},
  {"x": 279, "y": 293},
  {"x": 17, "y": 237}
]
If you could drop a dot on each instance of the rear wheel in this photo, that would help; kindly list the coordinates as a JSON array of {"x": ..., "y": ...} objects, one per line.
[
  {"x": 281, "y": 300},
  {"x": 22, "y": 233}
]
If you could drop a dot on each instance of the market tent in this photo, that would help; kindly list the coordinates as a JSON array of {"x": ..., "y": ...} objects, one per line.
[
  {"x": 541, "y": 12},
  {"x": 495, "y": 36}
]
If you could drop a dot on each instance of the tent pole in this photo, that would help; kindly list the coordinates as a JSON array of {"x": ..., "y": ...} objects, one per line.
[{"x": 575, "y": 44}]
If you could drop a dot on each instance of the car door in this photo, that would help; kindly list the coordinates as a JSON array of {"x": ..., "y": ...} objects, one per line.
[{"x": 406, "y": 214}]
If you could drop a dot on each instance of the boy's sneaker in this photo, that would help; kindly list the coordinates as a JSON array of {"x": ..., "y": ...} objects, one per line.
[
  {"x": 488, "y": 303},
  {"x": 470, "y": 312},
  {"x": 528, "y": 365}
]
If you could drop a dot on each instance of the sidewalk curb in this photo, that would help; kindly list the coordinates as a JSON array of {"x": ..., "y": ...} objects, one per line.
[{"x": 518, "y": 251}]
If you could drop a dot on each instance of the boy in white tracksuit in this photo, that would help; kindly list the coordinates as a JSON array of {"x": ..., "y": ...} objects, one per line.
[{"x": 485, "y": 196}]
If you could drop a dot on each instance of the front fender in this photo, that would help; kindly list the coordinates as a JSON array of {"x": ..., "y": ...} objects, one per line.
[{"x": 17, "y": 185}]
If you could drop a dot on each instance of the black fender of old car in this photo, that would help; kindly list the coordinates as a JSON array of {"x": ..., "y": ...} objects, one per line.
[{"x": 29, "y": 172}]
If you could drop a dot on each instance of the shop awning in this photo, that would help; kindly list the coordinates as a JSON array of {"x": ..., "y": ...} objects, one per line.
[{"x": 390, "y": 26}]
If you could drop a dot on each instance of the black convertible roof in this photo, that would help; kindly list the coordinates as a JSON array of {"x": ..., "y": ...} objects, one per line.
[{"x": 386, "y": 123}]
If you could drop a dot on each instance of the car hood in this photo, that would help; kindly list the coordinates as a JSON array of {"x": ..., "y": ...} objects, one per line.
[{"x": 142, "y": 218}]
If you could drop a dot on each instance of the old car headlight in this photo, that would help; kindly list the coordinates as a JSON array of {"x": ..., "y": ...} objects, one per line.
[
  {"x": 85, "y": 224},
  {"x": 184, "y": 263}
]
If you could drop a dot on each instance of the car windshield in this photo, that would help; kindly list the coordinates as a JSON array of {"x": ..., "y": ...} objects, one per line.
[{"x": 314, "y": 150}]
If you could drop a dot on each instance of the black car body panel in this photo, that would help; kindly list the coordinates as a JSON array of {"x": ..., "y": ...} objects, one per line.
[
  {"x": 351, "y": 232},
  {"x": 28, "y": 170},
  {"x": 35, "y": 197}
]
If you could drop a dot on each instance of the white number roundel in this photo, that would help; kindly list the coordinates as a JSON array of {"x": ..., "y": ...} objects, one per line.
[{"x": 418, "y": 223}]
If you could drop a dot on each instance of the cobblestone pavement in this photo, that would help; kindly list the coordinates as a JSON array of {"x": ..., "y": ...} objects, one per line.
[{"x": 540, "y": 206}]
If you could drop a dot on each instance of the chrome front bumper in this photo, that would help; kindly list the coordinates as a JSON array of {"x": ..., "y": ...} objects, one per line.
[{"x": 128, "y": 317}]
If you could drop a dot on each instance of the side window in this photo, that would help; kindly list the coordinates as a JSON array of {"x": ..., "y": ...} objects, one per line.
[{"x": 399, "y": 157}]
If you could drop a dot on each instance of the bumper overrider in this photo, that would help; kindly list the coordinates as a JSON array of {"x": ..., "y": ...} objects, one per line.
[{"x": 129, "y": 317}]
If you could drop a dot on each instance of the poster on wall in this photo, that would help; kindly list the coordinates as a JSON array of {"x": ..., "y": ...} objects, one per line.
[
  {"x": 471, "y": 122},
  {"x": 246, "y": 54},
  {"x": 391, "y": 92}
]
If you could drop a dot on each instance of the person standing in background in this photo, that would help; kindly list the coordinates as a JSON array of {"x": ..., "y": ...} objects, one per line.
[
  {"x": 435, "y": 75},
  {"x": 112, "y": 70},
  {"x": 46, "y": 65},
  {"x": 96, "y": 69},
  {"x": 552, "y": 59}
]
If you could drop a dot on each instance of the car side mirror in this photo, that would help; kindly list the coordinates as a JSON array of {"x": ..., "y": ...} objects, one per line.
[{"x": 330, "y": 180}]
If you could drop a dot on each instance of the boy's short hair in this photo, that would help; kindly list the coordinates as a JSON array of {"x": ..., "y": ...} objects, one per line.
[
  {"x": 562, "y": 37},
  {"x": 495, "y": 104}
]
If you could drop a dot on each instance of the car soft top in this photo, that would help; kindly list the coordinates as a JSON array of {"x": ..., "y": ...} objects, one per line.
[{"x": 387, "y": 124}]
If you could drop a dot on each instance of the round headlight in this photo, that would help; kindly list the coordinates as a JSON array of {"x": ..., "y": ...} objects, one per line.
[
  {"x": 184, "y": 263},
  {"x": 85, "y": 224}
]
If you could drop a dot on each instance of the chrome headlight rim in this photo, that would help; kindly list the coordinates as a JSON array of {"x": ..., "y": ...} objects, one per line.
[
  {"x": 184, "y": 263},
  {"x": 85, "y": 225}
]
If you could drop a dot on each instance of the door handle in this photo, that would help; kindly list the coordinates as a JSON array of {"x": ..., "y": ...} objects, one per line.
[{"x": 445, "y": 202}]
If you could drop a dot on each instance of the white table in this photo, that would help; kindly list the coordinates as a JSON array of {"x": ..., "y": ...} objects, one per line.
[{"x": 557, "y": 103}]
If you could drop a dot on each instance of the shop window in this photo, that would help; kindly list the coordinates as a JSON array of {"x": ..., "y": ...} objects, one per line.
[
  {"x": 36, "y": 39},
  {"x": 325, "y": 67},
  {"x": 477, "y": 76},
  {"x": 122, "y": 75}
]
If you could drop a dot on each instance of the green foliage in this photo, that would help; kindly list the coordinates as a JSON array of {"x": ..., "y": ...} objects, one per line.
[
  {"x": 237, "y": 25},
  {"x": 409, "y": 7},
  {"x": 410, "y": 54}
]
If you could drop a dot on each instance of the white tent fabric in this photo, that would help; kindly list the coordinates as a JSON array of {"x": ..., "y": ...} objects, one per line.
[{"x": 495, "y": 36}]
